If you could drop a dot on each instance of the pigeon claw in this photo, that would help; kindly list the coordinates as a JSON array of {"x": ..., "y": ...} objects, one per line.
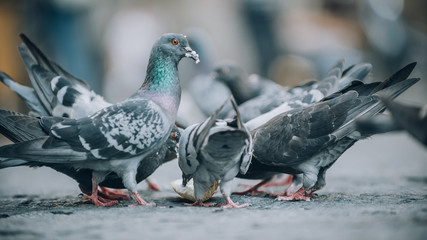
[
  {"x": 233, "y": 205},
  {"x": 100, "y": 201},
  {"x": 277, "y": 183},
  {"x": 152, "y": 186},
  {"x": 199, "y": 203},
  {"x": 115, "y": 194},
  {"x": 141, "y": 202},
  {"x": 96, "y": 199},
  {"x": 253, "y": 190},
  {"x": 230, "y": 204},
  {"x": 299, "y": 195},
  {"x": 250, "y": 191}
]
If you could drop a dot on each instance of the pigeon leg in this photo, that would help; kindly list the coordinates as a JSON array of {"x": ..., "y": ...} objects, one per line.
[
  {"x": 275, "y": 182},
  {"x": 321, "y": 182},
  {"x": 130, "y": 183},
  {"x": 199, "y": 203},
  {"x": 97, "y": 200},
  {"x": 141, "y": 202},
  {"x": 115, "y": 194},
  {"x": 225, "y": 191},
  {"x": 309, "y": 180},
  {"x": 100, "y": 198},
  {"x": 254, "y": 189},
  {"x": 230, "y": 204},
  {"x": 311, "y": 193},
  {"x": 296, "y": 180},
  {"x": 151, "y": 185},
  {"x": 297, "y": 196}
]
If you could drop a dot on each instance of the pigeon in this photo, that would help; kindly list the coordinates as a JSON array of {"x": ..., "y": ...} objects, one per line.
[
  {"x": 215, "y": 150},
  {"x": 120, "y": 137},
  {"x": 64, "y": 95},
  {"x": 208, "y": 93},
  {"x": 243, "y": 87},
  {"x": 210, "y": 89},
  {"x": 275, "y": 102},
  {"x": 298, "y": 97},
  {"x": 20, "y": 128},
  {"x": 413, "y": 119},
  {"x": 306, "y": 142},
  {"x": 236, "y": 79}
]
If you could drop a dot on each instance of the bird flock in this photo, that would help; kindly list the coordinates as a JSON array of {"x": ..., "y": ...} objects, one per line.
[{"x": 254, "y": 128}]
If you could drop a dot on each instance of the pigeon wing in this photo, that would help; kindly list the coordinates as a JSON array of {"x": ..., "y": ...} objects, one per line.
[
  {"x": 295, "y": 136},
  {"x": 123, "y": 130}
]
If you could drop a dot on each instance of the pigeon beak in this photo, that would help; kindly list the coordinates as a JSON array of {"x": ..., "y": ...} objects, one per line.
[
  {"x": 185, "y": 179},
  {"x": 190, "y": 53}
]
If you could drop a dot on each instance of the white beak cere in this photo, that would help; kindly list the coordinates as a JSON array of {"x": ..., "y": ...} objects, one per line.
[{"x": 192, "y": 54}]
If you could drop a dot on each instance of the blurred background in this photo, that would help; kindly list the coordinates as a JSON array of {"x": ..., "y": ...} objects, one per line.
[{"x": 107, "y": 42}]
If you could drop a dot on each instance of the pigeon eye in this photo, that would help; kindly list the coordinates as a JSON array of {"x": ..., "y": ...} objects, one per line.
[
  {"x": 173, "y": 135},
  {"x": 174, "y": 42}
]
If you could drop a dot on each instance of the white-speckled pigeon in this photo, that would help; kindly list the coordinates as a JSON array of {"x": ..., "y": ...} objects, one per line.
[
  {"x": 309, "y": 140},
  {"x": 215, "y": 150},
  {"x": 56, "y": 92},
  {"x": 20, "y": 128},
  {"x": 120, "y": 137},
  {"x": 413, "y": 119}
]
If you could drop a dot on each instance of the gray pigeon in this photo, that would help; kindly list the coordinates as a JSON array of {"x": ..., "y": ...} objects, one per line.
[
  {"x": 58, "y": 92},
  {"x": 215, "y": 150},
  {"x": 20, "y": 128},
  {"x": 242, "y": 86},
  {"x": 413, "y": 119},
  {"x": 309, "y": 140},
  {"x": 273, "y": 103},
  {"x": 120, "y": 137},
  {"x": 299, "y": 97},
  {"x": 208, "y": 93},
  {"x": 227, "y": 78},
  {"x": 64, "y": 95}
]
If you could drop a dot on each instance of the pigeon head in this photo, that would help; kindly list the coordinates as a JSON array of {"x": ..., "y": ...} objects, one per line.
[
  {"x": 162, "y": 69},
  {"x": 229, "y": 72},
  {"x": 236, "y": 79},
  {"x": 175, "y": 45},
  {"x": 186, "y": 179}
]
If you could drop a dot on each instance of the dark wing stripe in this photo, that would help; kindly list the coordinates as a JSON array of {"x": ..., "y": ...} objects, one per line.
[{"x": 69, "y": 97}]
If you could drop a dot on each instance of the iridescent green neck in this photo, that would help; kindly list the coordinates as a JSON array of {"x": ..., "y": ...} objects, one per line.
[{"x": 162, "y": 74}]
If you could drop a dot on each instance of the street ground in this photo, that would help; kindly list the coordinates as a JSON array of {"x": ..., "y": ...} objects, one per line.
[{"x": 377, "y": 190}]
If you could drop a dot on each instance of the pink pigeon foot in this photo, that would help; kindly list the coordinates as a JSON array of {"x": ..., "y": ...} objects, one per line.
[
  {"x": 311, "y": 192},
  {"x": 253, "y": 190},
  {"x": 230, "y": 204},
  {"x": 152, "y": 186},
  {"x": 98, "y": 200},
  {"x": 199, "y": 203},
  {"x": 277, "y": 183},
  {"x": 141, "y": 202},
  {"x": 115, "y": 194},
  {"x": 288, "y": 191},
  {"x": 299, "y": 195}
]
